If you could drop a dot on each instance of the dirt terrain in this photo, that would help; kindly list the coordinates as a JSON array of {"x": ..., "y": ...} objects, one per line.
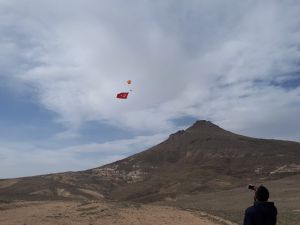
[
  {"x": 96, "y": 213},
  {"x": 231, "y": 204},
  {"x": 203, "y": 158},
  {"x": 203, "y": 168}
]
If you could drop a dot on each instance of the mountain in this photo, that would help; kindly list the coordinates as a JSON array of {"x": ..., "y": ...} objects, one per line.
[{"x": 201, "y": 159}]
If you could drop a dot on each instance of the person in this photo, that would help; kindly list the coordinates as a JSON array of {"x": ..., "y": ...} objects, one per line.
[{"x": 262, "y": 212}]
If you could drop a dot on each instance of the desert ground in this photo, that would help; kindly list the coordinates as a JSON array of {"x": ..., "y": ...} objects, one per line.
[
  {"x": 231, "y": 204},
  {"x": 98, "y": 213},
  {"x": 197, "y": 176}
]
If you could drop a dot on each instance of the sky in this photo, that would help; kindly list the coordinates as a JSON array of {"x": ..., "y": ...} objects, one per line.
[{"x": 235, "y": 63}]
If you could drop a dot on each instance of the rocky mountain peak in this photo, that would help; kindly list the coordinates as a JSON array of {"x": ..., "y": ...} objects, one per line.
[{"x": 203, "y": 125}]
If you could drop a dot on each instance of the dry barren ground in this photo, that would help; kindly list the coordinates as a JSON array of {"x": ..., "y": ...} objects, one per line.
[{"x": 96, "y": 213}]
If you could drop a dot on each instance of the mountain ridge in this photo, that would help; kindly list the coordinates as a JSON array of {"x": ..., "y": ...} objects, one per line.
[{"x": 202, "y": 158}]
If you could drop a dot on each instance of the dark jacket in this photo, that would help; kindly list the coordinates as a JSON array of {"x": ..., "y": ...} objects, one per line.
[{"x": 261, "y": 213}]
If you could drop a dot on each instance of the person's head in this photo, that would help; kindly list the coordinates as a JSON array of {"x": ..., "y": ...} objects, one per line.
[{"x": 261, "y": 194}]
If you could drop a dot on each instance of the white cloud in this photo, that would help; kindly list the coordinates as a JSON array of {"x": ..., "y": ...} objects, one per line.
[
  {"x": 25, "y": 159},
  {"x": 86, "y": 52},
  {"x": 210, "y": 60}
]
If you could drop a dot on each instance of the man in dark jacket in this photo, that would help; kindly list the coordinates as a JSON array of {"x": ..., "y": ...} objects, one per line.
[{"x": 262, "y": 212}]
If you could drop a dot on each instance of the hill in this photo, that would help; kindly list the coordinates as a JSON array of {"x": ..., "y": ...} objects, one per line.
[{"x": 201, "y": 159}]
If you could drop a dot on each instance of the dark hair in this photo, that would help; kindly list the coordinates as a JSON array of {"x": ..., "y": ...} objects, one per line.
[{"x": 262, "y": 194}]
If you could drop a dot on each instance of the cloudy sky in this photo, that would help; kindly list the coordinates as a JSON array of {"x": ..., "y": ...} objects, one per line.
[{"x": 236, "y": 63}]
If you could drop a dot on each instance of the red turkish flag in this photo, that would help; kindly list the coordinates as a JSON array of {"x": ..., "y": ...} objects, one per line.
[{"x": 122, "y": 95}]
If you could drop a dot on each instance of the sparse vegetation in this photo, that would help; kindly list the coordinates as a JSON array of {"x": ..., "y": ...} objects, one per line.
[
  {"x": 54, "y": 213},
  {"x": 5, "y": 200},
  {"x": 204, "y": 168}
]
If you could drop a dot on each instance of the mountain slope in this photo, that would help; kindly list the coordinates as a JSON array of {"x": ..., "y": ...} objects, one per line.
[{"x": 202, "y": 158}]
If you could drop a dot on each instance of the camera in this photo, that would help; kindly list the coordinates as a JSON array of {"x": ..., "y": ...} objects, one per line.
[{"x": 252, "y": 187}]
